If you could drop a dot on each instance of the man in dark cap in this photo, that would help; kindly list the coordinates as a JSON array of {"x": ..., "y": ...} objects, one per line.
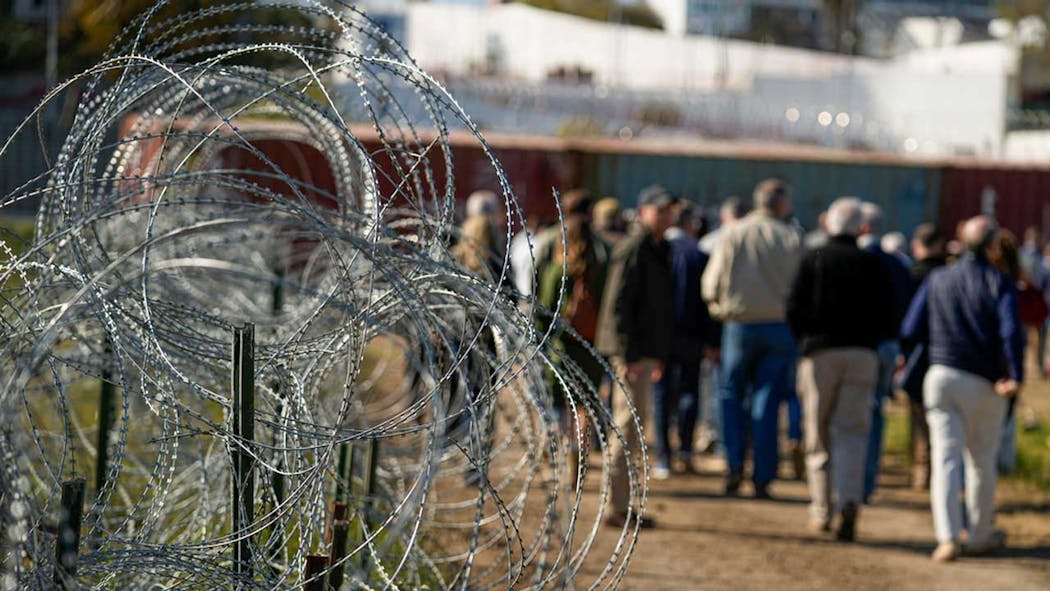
[{"x": 636, "y": 330}]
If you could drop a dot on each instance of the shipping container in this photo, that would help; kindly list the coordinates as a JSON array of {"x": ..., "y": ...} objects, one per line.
[
  {"x": 907, "y": 192},
  {"x": 1018, "y": 197}
]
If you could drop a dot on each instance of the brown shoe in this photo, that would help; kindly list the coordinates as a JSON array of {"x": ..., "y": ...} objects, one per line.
[
  {"x": 618, "y": 520},
  {"x": 684, "y": 465},
  {"x": 819, "y": 526},
  {"x": 995, "y": 543},
  {"x": 946, "y": 552},
  {"x": 798, "y": 460}
]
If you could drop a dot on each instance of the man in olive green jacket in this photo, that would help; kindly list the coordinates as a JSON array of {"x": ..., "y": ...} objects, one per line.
[{"x": 636, "y": 331}]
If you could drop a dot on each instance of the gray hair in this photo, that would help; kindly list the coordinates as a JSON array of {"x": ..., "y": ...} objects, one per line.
[
  {"x": 978, "y": 233},
  {"x": 845, "y": 217},
  {"x": 732, "y": 208},
  {"x": 872, "y": 217},
  {"x": 482, "y": 202}
]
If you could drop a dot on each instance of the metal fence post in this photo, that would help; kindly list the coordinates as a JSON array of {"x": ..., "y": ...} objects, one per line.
[
  {"x": 243, "y": 411},
  {"x": 67, "y": 543}
]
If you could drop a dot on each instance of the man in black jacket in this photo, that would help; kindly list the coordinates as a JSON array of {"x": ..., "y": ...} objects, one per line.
[
  {"x": 840, "y": 309},
  {"x": 636, "y": 331}
]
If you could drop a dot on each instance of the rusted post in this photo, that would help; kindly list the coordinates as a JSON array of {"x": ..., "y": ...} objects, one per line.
[
  {"x": 315, "y": 566},
  {"x": 340, "y": 533}
]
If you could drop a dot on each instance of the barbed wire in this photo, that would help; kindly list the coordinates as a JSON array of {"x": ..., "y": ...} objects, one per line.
[{"x": 211, "y": 179}]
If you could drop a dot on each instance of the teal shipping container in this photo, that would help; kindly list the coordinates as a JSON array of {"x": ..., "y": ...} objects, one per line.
[{"x": 908, "y": 192}]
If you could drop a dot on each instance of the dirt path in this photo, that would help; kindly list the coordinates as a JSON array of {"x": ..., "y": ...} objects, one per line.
[{"x": 705, "y": 541}]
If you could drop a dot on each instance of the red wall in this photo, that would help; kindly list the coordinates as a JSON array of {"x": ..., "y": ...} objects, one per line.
[{"x": 1022, "y": 196}]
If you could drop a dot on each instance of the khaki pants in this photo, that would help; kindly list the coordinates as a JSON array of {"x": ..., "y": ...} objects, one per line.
[
  {"x": 966, "y": 425},
  {"x": 639, "y": 393},
  {"x": 837, "y": 387}
]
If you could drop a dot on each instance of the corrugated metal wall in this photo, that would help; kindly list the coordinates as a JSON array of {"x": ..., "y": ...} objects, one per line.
[
  {"x": 908, "y": 194},
  {"x": 1021, "y": 197}
]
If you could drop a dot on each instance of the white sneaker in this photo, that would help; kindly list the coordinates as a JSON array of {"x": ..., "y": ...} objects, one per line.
[{"x": 660, "y": 473}]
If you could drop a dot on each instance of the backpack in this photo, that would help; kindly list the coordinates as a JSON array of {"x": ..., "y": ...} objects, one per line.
[{"x": 580, "y": 310}]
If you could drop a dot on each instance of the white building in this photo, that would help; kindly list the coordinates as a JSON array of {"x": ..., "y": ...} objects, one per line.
[{"x": 950, "y": 100}]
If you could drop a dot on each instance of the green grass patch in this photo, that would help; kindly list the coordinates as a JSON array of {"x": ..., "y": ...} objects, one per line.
[
  {"x": 1033, "y": 449},
  {"x": 17, "y": 232},
  {"x": 1033, "y": 456},
  {"x": 896, "y": 438}
]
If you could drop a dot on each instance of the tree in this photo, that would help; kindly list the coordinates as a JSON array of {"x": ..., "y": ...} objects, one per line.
[
  {"x": 840, "y": 24},
  {"x": 87, "y": 27}
]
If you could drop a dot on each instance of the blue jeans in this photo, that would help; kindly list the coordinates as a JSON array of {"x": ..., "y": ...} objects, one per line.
[
  {"x": 677, "y": 394},
  {"x": 757, "y": 367},
  {"x": 888, "y": 352},
  {"x": 794, "y": 409}
]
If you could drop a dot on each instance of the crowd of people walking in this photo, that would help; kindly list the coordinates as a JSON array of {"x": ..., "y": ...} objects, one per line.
[{"x": 724, "y": 327}]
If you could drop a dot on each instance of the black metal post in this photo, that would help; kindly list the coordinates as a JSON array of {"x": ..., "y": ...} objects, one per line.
[
  {"x": 345, "y": 475},
  {"x": 67, "y": 544},
  {"x": 243, "y": 411},
  {"x": 372, "y": 462},
  {"x": 106, "y": 416}
]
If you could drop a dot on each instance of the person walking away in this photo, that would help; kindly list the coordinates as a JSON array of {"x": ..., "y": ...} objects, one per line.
[
  {"x": 1030, "y": 309},
  {"x": 889, "y": 350},
  {"x": 839, "y": 366},
  {"x": 677, "y": 395},
  {"x": 477, "y": 248},
  {"x": 635, "y": 331},
  {"x": 608, "y": 222},
  {"x": 967, "y": 315},
  {"x": 746, "y": 285},
  {"x": 521, "y": 259},
  {"x": 575, "y": 276},
  {"x": 1031, "y": 293},
  {"x": 928, "y": 248},
  {"x": 732, "y": 209}
]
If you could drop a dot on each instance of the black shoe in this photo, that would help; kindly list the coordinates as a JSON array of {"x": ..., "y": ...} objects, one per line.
[
  {"x": 848, "y": 528},
  {"x": 733, "y": 482},
  {"x": 762, "y": 492}
]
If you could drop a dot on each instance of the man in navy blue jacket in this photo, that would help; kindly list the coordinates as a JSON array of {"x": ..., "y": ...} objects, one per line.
[
  {"x": 968, "y": 314},
  {"x": 694, "y": 332}
]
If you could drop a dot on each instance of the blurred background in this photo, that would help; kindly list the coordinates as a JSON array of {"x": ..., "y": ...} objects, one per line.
[{"x": 937, "y": 109}]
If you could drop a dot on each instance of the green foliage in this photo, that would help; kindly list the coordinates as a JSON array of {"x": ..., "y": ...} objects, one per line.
[
  {"x": 638, "y": 14},
  {"x": 1033, "y": 456},
  {"x": 87, "y": 27}
]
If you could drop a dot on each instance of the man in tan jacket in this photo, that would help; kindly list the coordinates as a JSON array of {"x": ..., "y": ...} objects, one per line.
[{"x": 746, "y": 285}]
